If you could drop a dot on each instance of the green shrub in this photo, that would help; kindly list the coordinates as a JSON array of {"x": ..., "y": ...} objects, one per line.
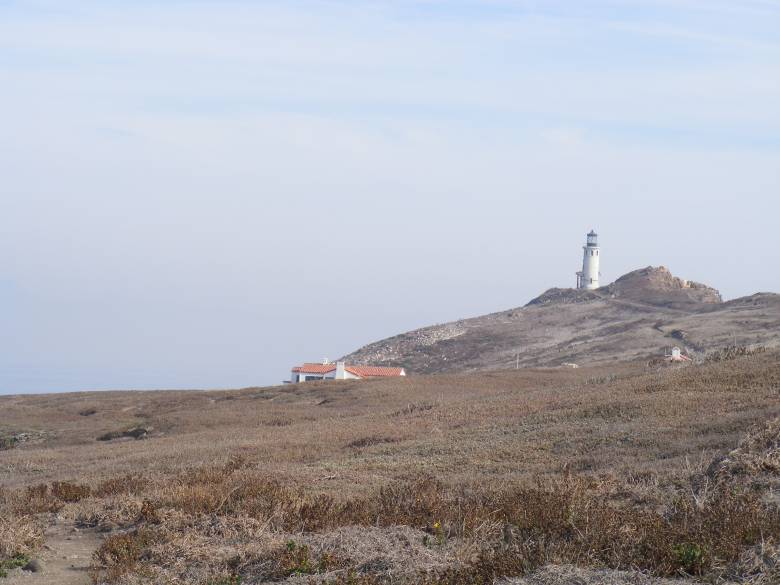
[
  {"x": 13, "y": 563},
  {"x": 297, "y": 560},
  {"x": 690, "y": 556}
]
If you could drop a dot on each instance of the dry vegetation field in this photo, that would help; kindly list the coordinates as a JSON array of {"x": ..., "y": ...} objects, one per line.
[{"x": 611, "y": 474}]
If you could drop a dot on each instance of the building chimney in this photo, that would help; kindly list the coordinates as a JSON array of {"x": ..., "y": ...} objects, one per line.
[{"x": 341, "y": 372}]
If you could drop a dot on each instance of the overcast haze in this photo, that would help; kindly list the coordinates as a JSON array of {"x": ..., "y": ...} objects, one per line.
[{"x": 202, "y": 194}]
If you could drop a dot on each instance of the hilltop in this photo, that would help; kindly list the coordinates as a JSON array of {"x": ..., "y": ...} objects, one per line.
[{"x": 634, "y": 318}]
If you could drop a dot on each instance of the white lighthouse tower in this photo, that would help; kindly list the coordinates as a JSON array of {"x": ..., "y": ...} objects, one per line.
[{"x": 588, "y": 278}]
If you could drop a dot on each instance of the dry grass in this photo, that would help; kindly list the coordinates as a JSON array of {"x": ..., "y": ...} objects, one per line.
[{"x": 443, "y": 480}]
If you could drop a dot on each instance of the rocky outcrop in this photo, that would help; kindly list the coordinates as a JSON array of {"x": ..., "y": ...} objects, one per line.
[
  {"x": 652, "y": 285},
  {"x": 393, "y": 351},
  {"x": 657, "y": 286}
]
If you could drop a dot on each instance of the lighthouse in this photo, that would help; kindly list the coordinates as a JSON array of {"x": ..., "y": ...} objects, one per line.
[{"x": 588, "y": 277}]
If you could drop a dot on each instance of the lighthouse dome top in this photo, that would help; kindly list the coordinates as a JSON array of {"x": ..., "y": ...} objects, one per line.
[{"x": 593, "y": 238}]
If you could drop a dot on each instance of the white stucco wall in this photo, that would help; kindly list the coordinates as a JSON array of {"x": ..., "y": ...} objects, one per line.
[
  {"x": 590, "y": 267},
  {"x": 332, "y": 375},
  {"x": 294, "y": 377},
  {"x": 329, "y": 376},
  {"x": 347, "y": 376}
]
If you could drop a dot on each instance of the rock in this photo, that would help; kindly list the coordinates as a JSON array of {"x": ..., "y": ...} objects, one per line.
[
  {"x": 137, "y": 433},
  {"x": 657, "y": 286},
  {"x": 8, "y": 441},
  {"x": 34, "y": 566},
  {"x": 134, "y": 433}
]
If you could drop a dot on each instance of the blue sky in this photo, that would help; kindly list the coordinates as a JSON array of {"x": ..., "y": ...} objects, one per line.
[{"x": 201, "y": 194}]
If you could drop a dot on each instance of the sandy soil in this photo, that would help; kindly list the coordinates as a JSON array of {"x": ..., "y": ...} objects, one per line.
[{"x": 66, "y": 557}]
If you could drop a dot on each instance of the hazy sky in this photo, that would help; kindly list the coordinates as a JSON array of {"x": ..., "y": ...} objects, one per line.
[{"x": 203, "y": 193}]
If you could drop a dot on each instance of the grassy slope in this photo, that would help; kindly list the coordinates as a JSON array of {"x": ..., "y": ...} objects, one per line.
[
  {"x": 605, "y": 418},
  {"x": 643, "y": 435}
]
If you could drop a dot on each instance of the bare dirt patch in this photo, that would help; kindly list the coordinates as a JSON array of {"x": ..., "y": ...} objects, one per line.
[{"x": 65, "y": 557}]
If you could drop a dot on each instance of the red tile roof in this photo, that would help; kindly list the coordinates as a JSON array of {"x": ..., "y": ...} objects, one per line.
[
  {"x": 371, "y": 371},
  {"x": 362, "y": 371},
  {"x": 314, "y": 368}
]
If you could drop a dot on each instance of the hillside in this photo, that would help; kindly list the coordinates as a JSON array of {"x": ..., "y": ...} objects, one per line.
[
  {"x": 619, "y": 474},
  {"x": 634, "y": 318}
]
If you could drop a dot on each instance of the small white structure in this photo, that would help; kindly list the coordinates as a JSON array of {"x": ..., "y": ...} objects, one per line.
[
  {"x": 677, "y": 356},
  {"x": 341, "y": 371},
  {"x": 588, "y": 277}
]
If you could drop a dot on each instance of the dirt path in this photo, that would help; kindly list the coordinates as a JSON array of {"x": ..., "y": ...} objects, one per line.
[{"x": 66, "y": 556}]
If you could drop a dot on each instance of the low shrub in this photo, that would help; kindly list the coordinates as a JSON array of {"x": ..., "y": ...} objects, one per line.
[
  {"x": 691, "y": 557},
  {"x": 7, "y": 443},
  {"x": 228, "y": 580},
  {"x": 126, "y": 484},
  {"x": 70, "y": 492},
  {"x": 412, "y": 407},
  {"x": 37, "y": 499},
  {"x": 369, "y": 441},
  {"x": 296, "y": 559},
  {"x": 19, "y": 560},
  {"x": 119, "y": 555}
]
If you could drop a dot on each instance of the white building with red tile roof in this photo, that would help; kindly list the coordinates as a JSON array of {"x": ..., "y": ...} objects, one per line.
[{"x": 341, "y": 371}]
